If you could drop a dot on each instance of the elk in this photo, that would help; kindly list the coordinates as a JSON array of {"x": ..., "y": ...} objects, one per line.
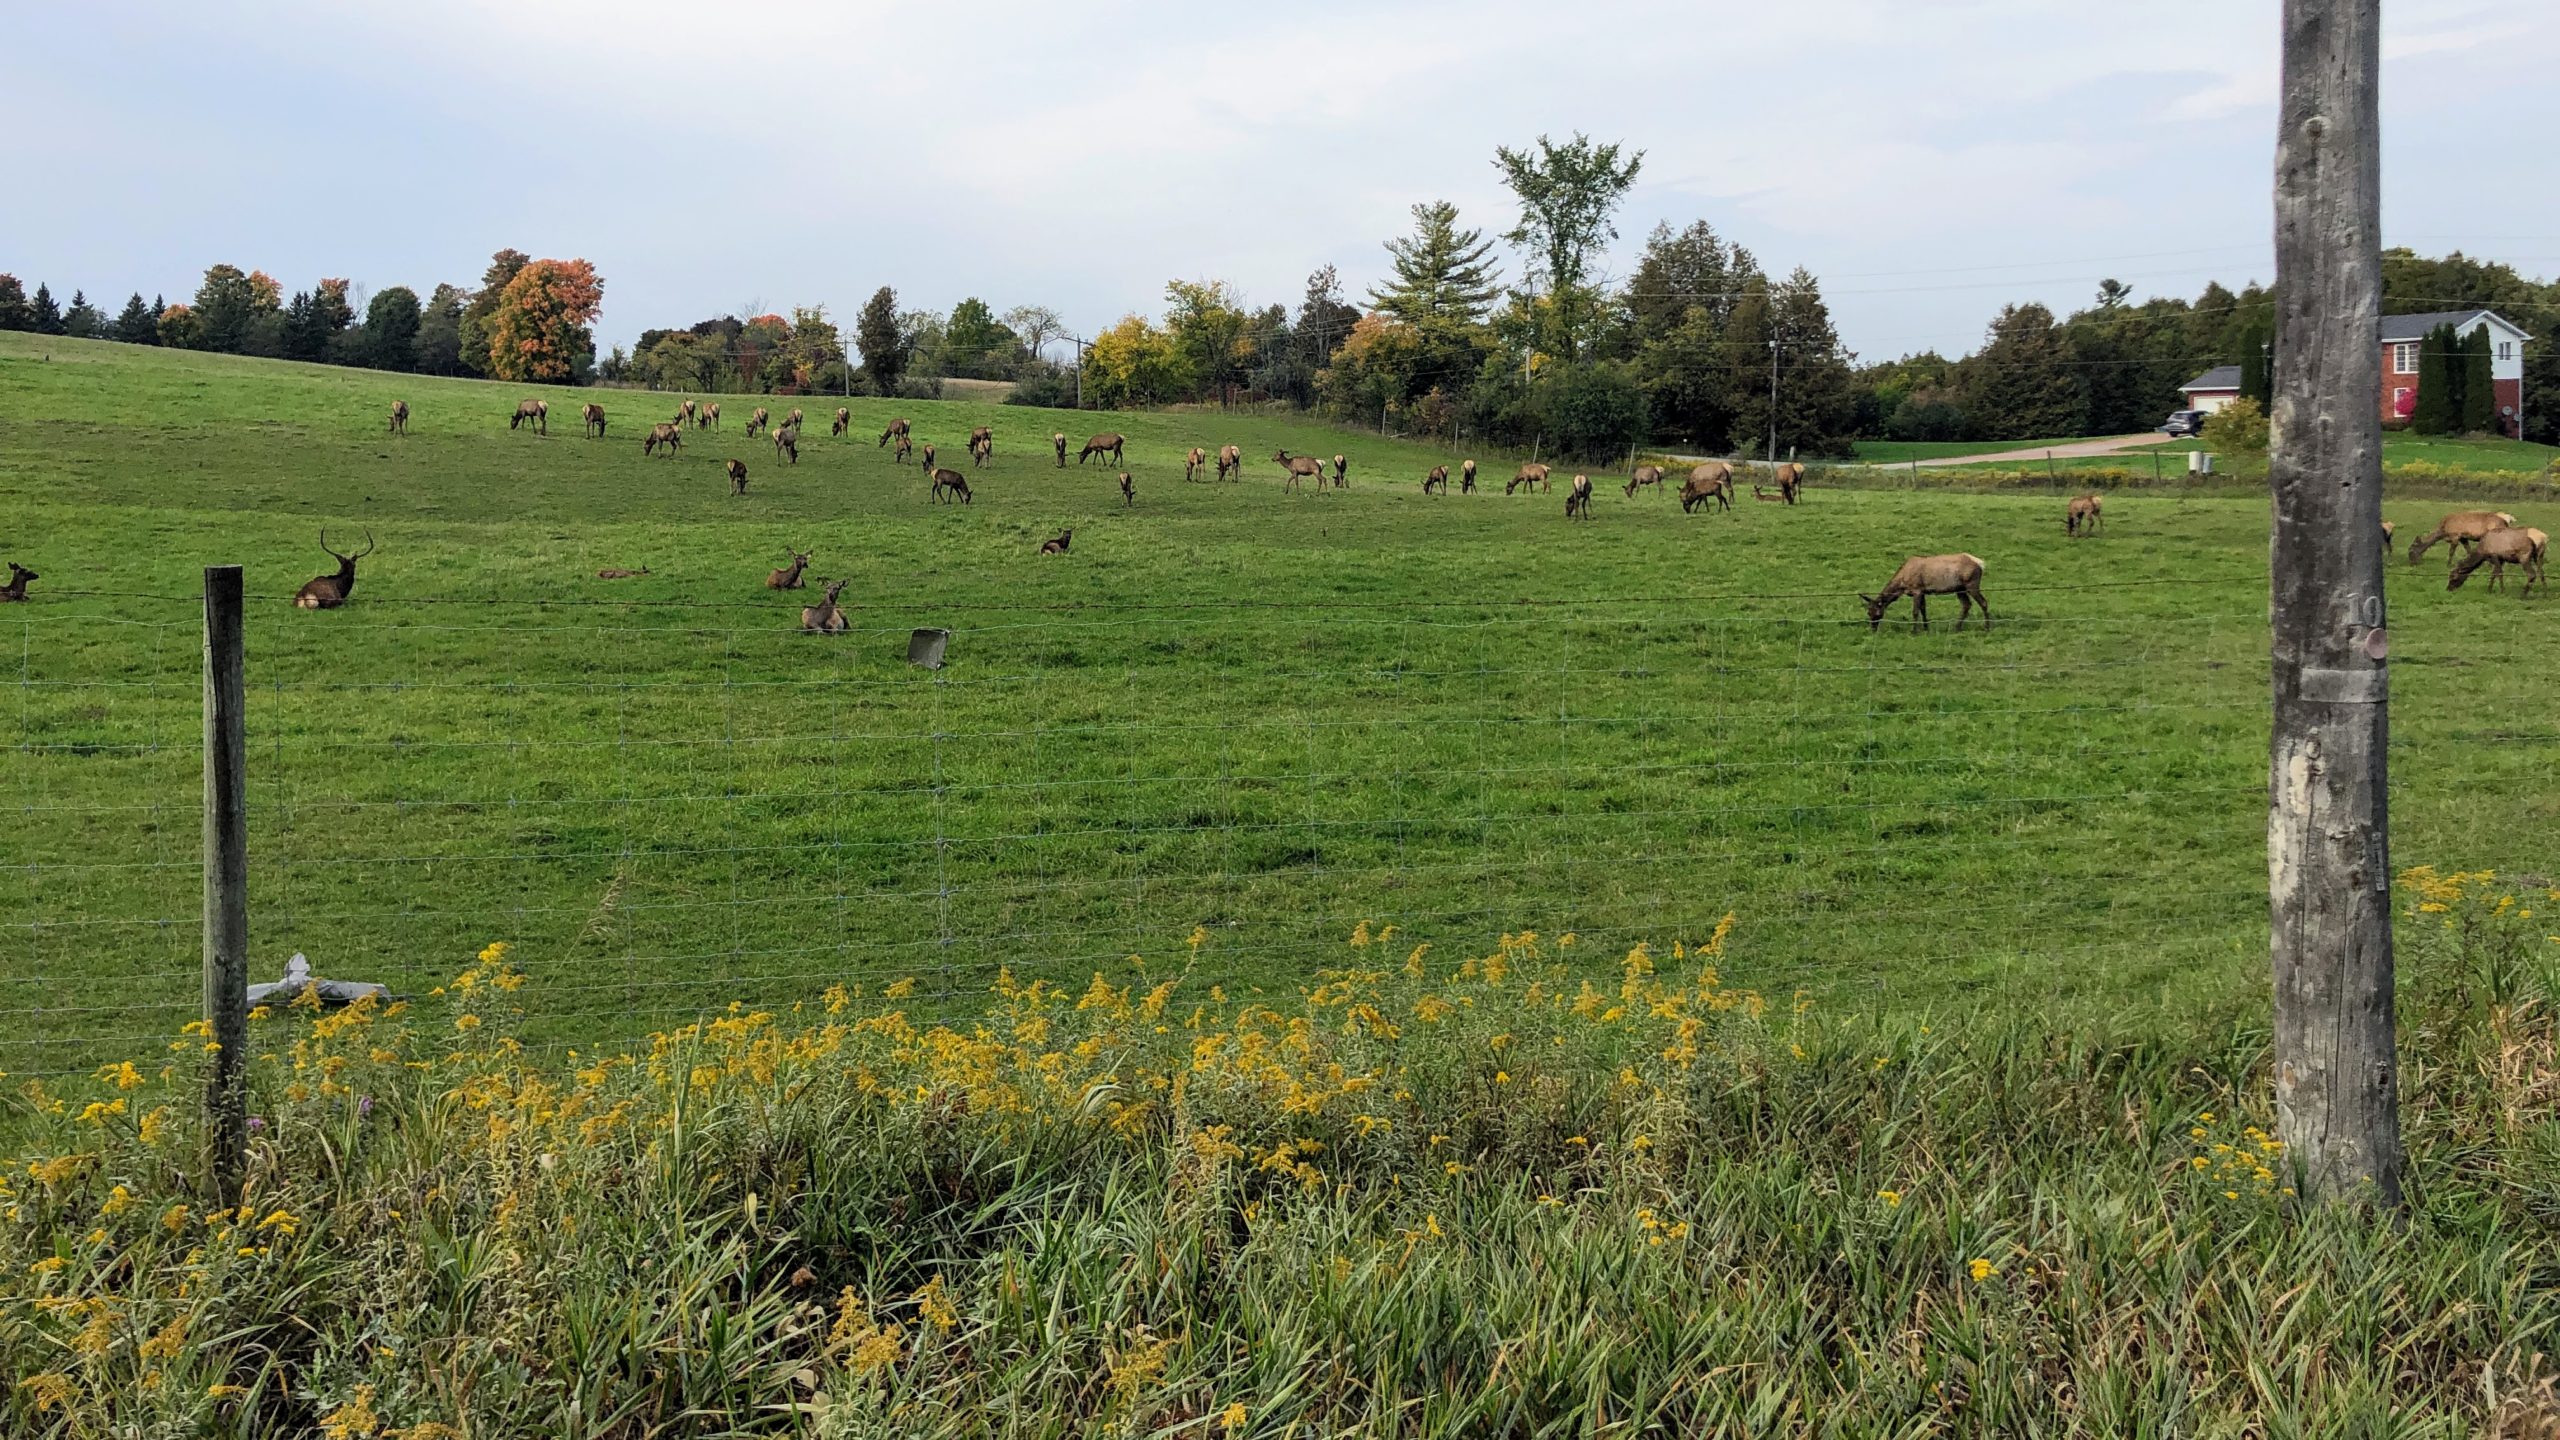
[
  {"x": 1128, "y": 489},
  {"x": 794, "y": 421},
  {"x": 1922, "y": 576},
  {"x": 760, "y": 420},
  {"x": 684, "y": 413},
  {"x": 662, "y": 434},
  {"x": 1438, "y": 480},
  {"x": 2462, "y": 529},
  {"x": 1645, "y": 475},
  {"x": 981, "y": 449},
  {"x": 786, "y": 441},
  {"x": 897, "y": 430},
  {"x": 322, "y": 592},
  {"x": 1340, "y": 467},
  {"x": 2087, "y": 510},
  {"x": 19, "y": 575},
  {"x": 2499, "y": 549},
  {"x": 1107, "y": 443},
  {"x": 738, "y": 473},
  {"x": 536, "y": 413},
  {"x": 622, "y": 574},
  {"x": 844, "y": 422},
  {"x": 1058, "y": 442},
  {"x": 1194, "y": 463},
  {"x": 591, "y": 417},
  {"x": 1577, "y": 501},
  {"x": 1790, "y": 480},
  {"x": 1533, "y": 475},
  {"x": 1300, "y": 467},
  {"x": 1466, "y": 477},
  {"x": 824, "y": 618},
  {"x": 1759, "y": 494},
  {"x": 788, "y": 577},
  {"x": 1058, "y": 546},
  {"x": 950, "y": 483},
  {"x": 1712, "y": 481},
  {"x": 984, "y": 436},
  {"x": 709, "y": 419},
  {"x": 399, "y": 417},
  {"x": 898, "y": 454},
  {"x": 1230, "y": 462},
  {"x": 2386, "y": 535}
]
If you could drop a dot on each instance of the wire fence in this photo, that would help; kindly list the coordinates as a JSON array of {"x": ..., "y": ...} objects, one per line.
[{"x": 669, "y": 808}]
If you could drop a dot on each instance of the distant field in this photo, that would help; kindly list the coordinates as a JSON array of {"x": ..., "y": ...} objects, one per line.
[
  {"x": 1230, "y": 711},
  {"x": 1897, "y": 452},
  {"x": 2489, "y": 456}
]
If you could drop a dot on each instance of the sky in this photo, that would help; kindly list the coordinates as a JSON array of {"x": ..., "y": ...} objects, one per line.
[{"x": 1928, "y": 161}]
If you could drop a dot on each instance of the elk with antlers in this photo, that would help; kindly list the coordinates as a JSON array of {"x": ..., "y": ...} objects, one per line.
[
  {"x": 1645, "y": 475},
  {"x": 328, "y": 592},
  {"x": 824, "y": 618},
  {"x": 2499, "y": 549},
  {"x": 1577, "y": 501},
  {"x": 1194, "y": 463},
  {"x": 399, "y": 417},
  {"x": 536, "y": 413},
  {"x": 1437, "y": 479},
  {"x": 738, "y": 475},
  {"x": 950, "y": 483},
  {"x": 1922, "y": 576},
  {"x": 2086, "y": 511},
  {"x": 2463, "y": 530},
  {"x": 897, "y": 431},
  {"x": 591, "y": 420},
  {"x": 1230, "y": 463},
  {"x": 1107, "y": 443},
  {"x": 19, "y": 575},
  {"x": 1058, "y": 546},
  {"x": 786, "y": 441},
  {"x": 1710, "y": 482},
  {"x": 1300, "y": 467},
  {"x": 788, "y": 577},
  {"x": 844, "y": 422},
  {"x": 1532, "y": 476},
  {"x": 661, "y": 434}
]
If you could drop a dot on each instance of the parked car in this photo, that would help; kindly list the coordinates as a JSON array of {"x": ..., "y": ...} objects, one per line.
[{"x": 2183, "y": 423}]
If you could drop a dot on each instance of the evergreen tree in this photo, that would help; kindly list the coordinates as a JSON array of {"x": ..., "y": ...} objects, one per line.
[
  {"x": 2479, "y": 384},
  {"x": 471, "y": 338},
  {"x": 390, "y": 335},
  {"x": 438, "y": 348},
  {"x": 2022, "y": 384},
  {"x": 2438, "y": 410},
  {"x": 44, "y": 316},
  {"x": 1816, "y": 411},
  {"x": 882, "y": 340},
  {"x": 82, "y": 320},
  {"x": 1441, "y": 274},
  {"x": 2257, "y": 369},
  {"x": 137, "y": 325},
  {"x": 1684, "y": 270},
  {"x": 13, "y": 304}
]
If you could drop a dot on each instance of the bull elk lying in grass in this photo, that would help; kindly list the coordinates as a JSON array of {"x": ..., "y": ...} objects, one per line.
[
  {"x": 2463, "y": 530},
  {"x": 328, "y": 592},
  {"x": 2088, "y": 510},
  {"x": 824, "y": 618},
  {"x": 897, "y": 431},
  {"x": 1645, "y": 475},
  {"x": 1922, "y": 576},
  {"x": 399, "y": 417},
  {"x": 951, "y": 484},
  {"x": 788, "y": 577},
  {"x": 662, "y": 434},
  {"x": 1532, "y": 476},
  {"x": 19, "y": 575},
  {"x": 1230, "y": 463},
  {"x": 591, "y": 420},
  {"x": 844, "y": 422},
  {"x": 1108, "y": 443},
  {"x": 1059, "y": 545},
  {"x": 1712, "y": 481},
  {"x": 536, "y": 413},
  {"x": 737, "y": 477},
  {"x": 1437, "y": 480},
  {"x": 622, "y": 574},
  {"x": 1300, "y": 467},
  {"x": 1577, "y": 500},
  {"x": 1058, "y": 442},
  {"x": 2499, "y": 549}
]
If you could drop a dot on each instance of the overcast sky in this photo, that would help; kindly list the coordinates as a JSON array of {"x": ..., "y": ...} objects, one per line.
[{"x": 1927, "y": 160}]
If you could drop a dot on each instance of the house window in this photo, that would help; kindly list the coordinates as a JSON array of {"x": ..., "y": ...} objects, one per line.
[
  {"x": 2402, "y": 403},
  {"x": 2506, "y": 350},
  {"x": 2404, "y": 359}
]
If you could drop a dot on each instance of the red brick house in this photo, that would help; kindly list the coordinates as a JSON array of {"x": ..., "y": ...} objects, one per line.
[{"x": 2401, "y": 336}]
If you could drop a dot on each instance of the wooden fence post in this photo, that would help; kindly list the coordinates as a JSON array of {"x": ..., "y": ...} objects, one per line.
[
  {"x": 226, "y": 883},
  {"x": 2328, "y": 832}
]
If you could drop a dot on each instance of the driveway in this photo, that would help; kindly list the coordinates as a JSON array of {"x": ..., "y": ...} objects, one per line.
[{"x": 2107, "y": 446}]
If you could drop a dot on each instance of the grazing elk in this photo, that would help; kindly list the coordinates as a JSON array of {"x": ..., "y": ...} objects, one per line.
[
  {"x": 1922, "y": 576},
  {"x": 399, "y": 417},
  {"x": 19, "y": 575},
  {"x": 1533, "y": 476},
  {"x": 622, "y": 574},
  {"x": 591, "y": 420},
  {"x": 824, "y": 618},
  {"x": 1194, "y": 463},
  {"x": 844, "y": 422},
  {"x": 758, "y": 421},
  {"x": 738, "y": 474},
  {"x": 684, "y": 413},
  {"x": 950, "y": 483},
  {"x": 1645, "y": 475},
  {"x": 1466, "y": 477},
  {"x": 1577, "y": 501},
  {"x": 1058, "y": 546},
  {"x": 709, "y": 419},
  {"x": 1128, "y": 489},
  {"x": 786, "y": 441},
  {"x": 2499, "y": 549},
  {"x": 897, "y": 431},
  {"x": 2088, "y": 510},
  {"x": 1438, "y": 480},
  {"x": 1300, "y": 467},
  {"x": 2386, "y": 535},
  {"x": 1058, "y": 442},
  {"x": 981, "y": 449},
  {"x": 899, "y": 453},
  {"x": 984, "y": 437},
  {"x": 794, "y": 421},
  {"x": 662, "y": 434},
  {"x": 1230, "y": 463},
  {"x": 1712, "y": 481},
  {"x": 788, "y": 577},
  {"x": 536, "y": 413},
  {"x": 2463, "y": 530},
  {"x": 1341, "y": 467},
  {"x": 1107, "y": 443},
  {"x": 1790, "y": 480},
  {"x": 328, "y": 592}
]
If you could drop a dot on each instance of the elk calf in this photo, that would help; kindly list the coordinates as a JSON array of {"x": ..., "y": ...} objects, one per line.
[
  {"x": 19, "y": 575},
  {"x": 621, "y": 574},
  {"x": 950, "y": 483},
  {"x": 1922, "y": 576},
  {"x": 2087, "y": 510},
  {"x": 326, "y": 592},
  {"x": 1577, "y": 501},
  {"x": 399, "y": 417},
  {"x": 824, "y": 618},
  {"x": 1058, "y": 546},
  {"x": 662, "y": 434},
  {"x": 536, "y": 413},
  {"x": 737, "y": 477},
  {"x": 788, "y": 577},
  {"x": 591, "y": 420},
  {"x": 2499, "y": 549}
]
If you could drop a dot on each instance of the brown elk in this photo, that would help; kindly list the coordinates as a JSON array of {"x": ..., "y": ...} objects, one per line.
[
  {"x": 709, "y": 419},
  {"x": 1058, "y": 442},
  {"x": 399, "y": 417},
  {"x": 1577, "y": 501},
  {"x": 2499, "y": 549},
  {"x": 622, "y": 574},
  {"x": 1230, "y": 462},
  {"x": 738, "y": 473},
  {"x": 1645, "y": 475},
  {"x": 328, "y": 592},
  {"x": 759, "y": 420},
  {"x": 824, "y": 618},
  {"x": 2087, "y": 511},
  {"x": 1058, "y": 546},
  {"x": 786, "y": 441},
  {"x": 794, "y": 421},
  {"x": 1759, "y": 494},
  {"x": 1438, "y": 480},
  {"x": 1341, "y": 468},
  {"x": 591, "y": 418},
  {"x": 684, "y": 413},
  {"x": 1300, "y": 467},
  {"x": 983, "y": 437},
  {"x": 1712, "y": 481},
  {"x": 19, "y": 575},
  {"x": 2462, "y": 529},
  {"x": 788, "y": 577},
  {"x": 981, "y": 449},
  {"x": 950, "y": 483},
  {"x": 1194, "y": 463},
  {"x": 1790, "y": 480},
  {"x": 1107, "y": 443},
  {"x": 899, "y": 452},
  {"x": 2386, "y": 535},
  {"x": 1128, "y": 489},
  {"x": 1533, "y": 476},
  {"x": 897, "y": 431},
  {"x": 536, "y": 413},
  {"x": 844, "y": 422},
  {"x": 662, "y": 434},
  {"x": 1466, "y": 477},
  {"x": 1922, "y": 576}
]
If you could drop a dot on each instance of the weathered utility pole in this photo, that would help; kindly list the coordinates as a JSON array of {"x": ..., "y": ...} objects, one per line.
[
  {"x": 1773, "y": 402},
  {"x": 226, "y": 884},
  {"x": 2328, "y": 832}
]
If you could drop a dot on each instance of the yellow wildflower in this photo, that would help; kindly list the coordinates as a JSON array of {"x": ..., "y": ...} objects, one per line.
[{"x": 1982, "y": 1270}]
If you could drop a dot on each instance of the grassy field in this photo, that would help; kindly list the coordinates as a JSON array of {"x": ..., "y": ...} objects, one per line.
[
  {"x": 1261, "y": 716},
  {"x": 2486, "y": 456}
]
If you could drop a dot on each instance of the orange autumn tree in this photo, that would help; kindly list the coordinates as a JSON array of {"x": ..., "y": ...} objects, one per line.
[{"x": 539, "y": 330}]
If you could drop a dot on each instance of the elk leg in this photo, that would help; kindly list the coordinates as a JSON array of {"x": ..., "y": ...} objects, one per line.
[
  {"x": 1979, "y": 599},
  {"x": 1919, "y": 611}
]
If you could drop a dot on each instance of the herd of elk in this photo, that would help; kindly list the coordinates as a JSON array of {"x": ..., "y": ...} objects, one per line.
[
  {"x": 662, "y": 434},
  {"x": 1108, "y": 443},
  {"x": 1300, "y": 468},
  {"x": 1058, "y": 546},
  {"x": 949, "y": 484},
  {"x": 1711, "y": 481},
  {"x": 737, "y": 477},
  {"x": 19, "y": 575},
  {"x": 788, "y": 577},
  {"x": 536, "y": 413},
  {"x": 399, "y": 417},
  {"x": 1533, "y": 476},
  {"x": 2499, "y": 549},
  {"x": 321, "y": 592},
  {"x": 591, "y": 420},
  {"x": 1577, "y": 501},
  {"x": 2088, "y": 510},
  {"x": 824, "y": 618},
  {"x": 1922, "y": 576}
]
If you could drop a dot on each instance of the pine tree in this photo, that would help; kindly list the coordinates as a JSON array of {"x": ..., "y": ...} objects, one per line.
[
  {"x": 1441, "y": 274},
  {"x": 136, "y": 325},
  {"x": 882, "y": 340},
  {"x": 2021, "y": 383},
  {"x": 2438, "y": 409},
  {"x": 2257, "y": 368},
  {"x": 2479, "y": 384},
  {"x": 13, "y": 304},
  {"x": 44, "y": 316},
  {"x": 82, "y": 319}
]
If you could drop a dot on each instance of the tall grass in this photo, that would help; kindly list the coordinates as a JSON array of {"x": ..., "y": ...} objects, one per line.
[{"x": 1530, "y": 1192}]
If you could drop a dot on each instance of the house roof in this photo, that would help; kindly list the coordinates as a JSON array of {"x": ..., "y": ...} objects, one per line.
[
  {"x": 2415, "y": 327},
  {"x": 2220, "y": 377}
]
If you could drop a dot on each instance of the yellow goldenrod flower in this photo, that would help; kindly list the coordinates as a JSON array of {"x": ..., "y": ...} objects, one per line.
[
  {"x": 1982, "y": 1270},
  {"x": 1233, "y": 1417},
  {"x": 1890, "y": 1197}
]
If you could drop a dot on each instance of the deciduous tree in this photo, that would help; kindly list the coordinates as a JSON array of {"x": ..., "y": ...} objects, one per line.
[
  {"x": 390, "y": 337},
  {"x": 540, "y": 330},
  {"x": 1567, "y": 195}
]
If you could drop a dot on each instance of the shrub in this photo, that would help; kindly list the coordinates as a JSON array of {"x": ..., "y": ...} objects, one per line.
[
  {"x": 1046, "y": 385},
  {"x": 2238, "y": 429}
]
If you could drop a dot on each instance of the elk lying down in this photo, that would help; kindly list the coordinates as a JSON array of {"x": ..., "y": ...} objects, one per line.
[
  {"x": 951, "y": 484},
  {"x": 622, "y": 574},
  {"x": 19, "y": 575},
  {"x": 1577, "y": 501},
  {"x": 824, "y": 618},
  {"x": 788, "y": 577},
  {"x": 1922, "y": 576},
  {"x": 2462, "y": 530},
  {"x": 1058, "y": 546},
  {"x": 2087, "y": 510},
  {"x": 328, "y": 592},
  {"x": 2499, "y": 549}
]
